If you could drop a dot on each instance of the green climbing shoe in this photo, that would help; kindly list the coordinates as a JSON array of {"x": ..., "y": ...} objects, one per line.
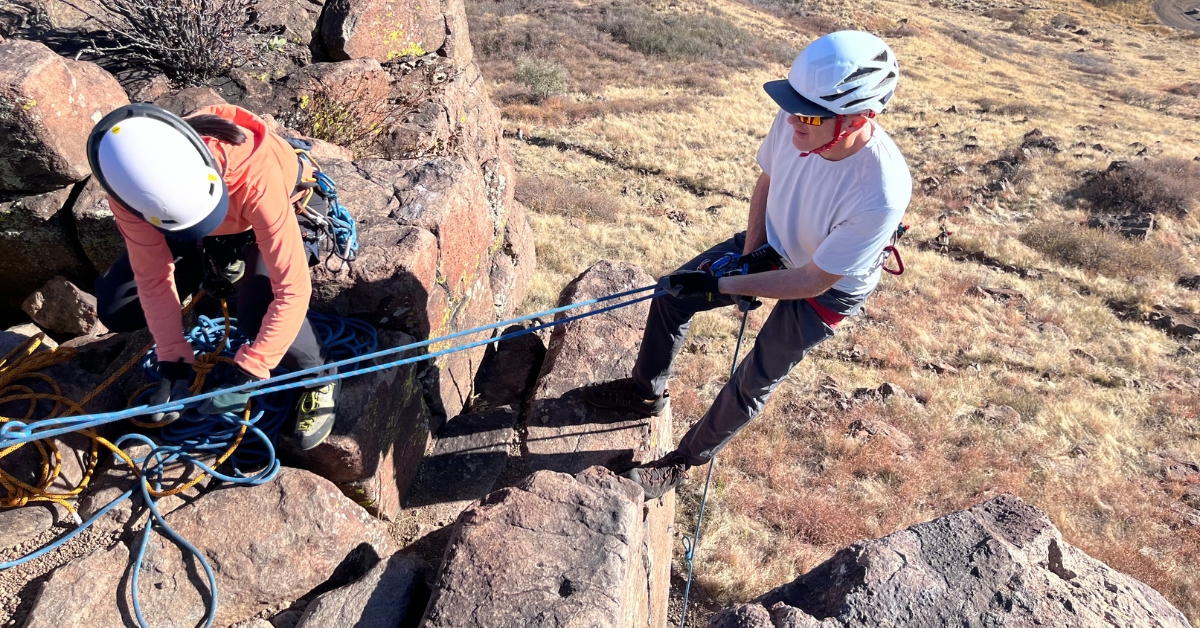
[{"x": 315, "y": 415}]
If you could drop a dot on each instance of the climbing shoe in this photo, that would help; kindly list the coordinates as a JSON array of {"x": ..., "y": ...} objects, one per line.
[
  {"x": 315, "y": 415},
  {"x": 621, "y": 394},
  {"x": 661, "y": 476}
]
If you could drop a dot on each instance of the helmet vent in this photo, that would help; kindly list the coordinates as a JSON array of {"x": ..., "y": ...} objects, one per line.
[
  {"x": 839, "y": 95},
  {"x": 212, "y": 187},
  {"x": 859, "y": 73},
  {"x": 851, "y": 105},
  {"x": 881, "y": 57}
]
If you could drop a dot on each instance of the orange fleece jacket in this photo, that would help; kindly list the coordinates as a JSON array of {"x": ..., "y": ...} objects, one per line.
[{"x": 261, "y": 175}]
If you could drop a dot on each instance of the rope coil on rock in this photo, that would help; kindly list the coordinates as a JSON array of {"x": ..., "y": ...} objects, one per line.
[{"x": 195, "y": 438}]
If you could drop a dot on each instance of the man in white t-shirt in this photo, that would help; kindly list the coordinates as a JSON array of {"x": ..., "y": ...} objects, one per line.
[{"x": 833, "y": 190}]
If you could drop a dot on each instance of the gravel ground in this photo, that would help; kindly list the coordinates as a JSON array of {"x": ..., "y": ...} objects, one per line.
[
  {"x": 19, "y": 586},
  {"x": 700, "y": 605}
]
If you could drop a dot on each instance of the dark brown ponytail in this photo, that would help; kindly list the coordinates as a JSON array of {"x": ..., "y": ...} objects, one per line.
[{"x": 216, "y": 127}]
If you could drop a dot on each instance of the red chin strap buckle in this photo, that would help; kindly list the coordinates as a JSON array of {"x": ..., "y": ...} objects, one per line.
[{"x": 838, "y": 134}]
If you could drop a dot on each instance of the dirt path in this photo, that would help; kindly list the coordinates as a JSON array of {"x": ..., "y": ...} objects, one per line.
[{"x": 1183, "y": 14}]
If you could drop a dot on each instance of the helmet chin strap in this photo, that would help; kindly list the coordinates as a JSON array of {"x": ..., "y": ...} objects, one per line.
[{"x": 839, "y": 134}]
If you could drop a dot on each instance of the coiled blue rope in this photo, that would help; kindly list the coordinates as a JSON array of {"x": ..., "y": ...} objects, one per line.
[
  {"x": 194, "y": 436},
  {"x": 344, "y": 228}
]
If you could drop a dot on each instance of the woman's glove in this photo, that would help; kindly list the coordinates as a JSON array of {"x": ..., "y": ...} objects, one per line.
[
  {"x": 230, "y": 401},
  {"x": 176, "y": 384}
]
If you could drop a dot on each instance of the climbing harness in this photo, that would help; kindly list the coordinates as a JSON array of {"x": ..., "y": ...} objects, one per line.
[
  {"x": 245, "y": 442},
  {"x": 322, "y": 216}
]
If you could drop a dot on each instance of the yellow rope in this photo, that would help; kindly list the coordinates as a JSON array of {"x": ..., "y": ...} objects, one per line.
[{"x": 20, "y": 367}]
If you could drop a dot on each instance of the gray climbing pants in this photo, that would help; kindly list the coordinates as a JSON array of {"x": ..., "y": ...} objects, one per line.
[{"x": 791, "y": 331}]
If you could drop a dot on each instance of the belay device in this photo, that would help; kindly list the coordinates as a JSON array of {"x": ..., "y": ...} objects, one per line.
[
  {"x": 322, "y": 216},
  {"x": 764, "y": 258}
]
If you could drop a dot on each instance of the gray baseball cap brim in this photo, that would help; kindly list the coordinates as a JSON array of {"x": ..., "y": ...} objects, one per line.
[{"x": 791, "y": 101}]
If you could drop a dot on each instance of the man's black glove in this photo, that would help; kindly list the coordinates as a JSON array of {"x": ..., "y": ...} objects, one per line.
[
  {"x": 230, "y": 401},
  {"x": 176, "y": 384},
  {"x": 690, "y": 283}
]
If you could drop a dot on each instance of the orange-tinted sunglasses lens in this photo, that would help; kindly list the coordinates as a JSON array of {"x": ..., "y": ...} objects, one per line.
[{"x": 811, "y": 120}]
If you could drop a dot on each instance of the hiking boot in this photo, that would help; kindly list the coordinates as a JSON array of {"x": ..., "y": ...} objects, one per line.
[
  {"x": 315, "y": 416},
  {"x": 661, "y": 476},
  {"x": 621, "y": 394}
]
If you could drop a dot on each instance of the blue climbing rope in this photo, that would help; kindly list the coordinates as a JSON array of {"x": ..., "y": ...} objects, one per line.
[
  {"x": 344, "y": 229},
  {"x": 17, "y": 432},
  {"x": 247, "y": 442},
  {"x": 692, "y": 542}
]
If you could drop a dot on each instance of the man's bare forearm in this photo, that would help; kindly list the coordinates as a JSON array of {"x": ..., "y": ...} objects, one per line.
[
  {"x": 789, "y": 283},
  {"x": 756, "y": 225}
]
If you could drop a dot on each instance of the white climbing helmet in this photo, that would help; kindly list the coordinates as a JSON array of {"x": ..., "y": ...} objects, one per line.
[
  {"x": 842, "y": 73},
  {"x": 156, "y": 166}
]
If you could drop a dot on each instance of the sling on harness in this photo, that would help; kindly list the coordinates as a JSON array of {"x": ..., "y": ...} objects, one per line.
[{"x": 322, "y": 217}]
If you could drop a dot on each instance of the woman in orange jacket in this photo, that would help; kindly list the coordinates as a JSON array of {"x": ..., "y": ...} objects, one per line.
[{"x": 207, "y": 200}]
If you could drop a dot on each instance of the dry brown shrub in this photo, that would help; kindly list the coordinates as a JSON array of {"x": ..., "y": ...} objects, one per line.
[
  {"x": 1104, "y": 252},
  {"x": 1159, "y": 186},
  {"x": 190, "y": 41},
  {"x": 1009, "y": 108},
  {"x": 818, "y": 24},
  {"x": 1185, "y": 89},
  {"x": 1004, "y": 15},
  {"x": 903, "y": 31},
  {"x": 558, "y": 110},
  {"x": 1147, "y": 100},
  {"x": 555, "y": 195}
]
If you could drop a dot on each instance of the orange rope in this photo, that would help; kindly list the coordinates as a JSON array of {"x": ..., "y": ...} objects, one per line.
[{"x": 21, "y": 365}]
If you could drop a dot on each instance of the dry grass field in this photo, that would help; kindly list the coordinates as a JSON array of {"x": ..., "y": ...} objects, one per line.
[{"x": 1026, "y": 360}]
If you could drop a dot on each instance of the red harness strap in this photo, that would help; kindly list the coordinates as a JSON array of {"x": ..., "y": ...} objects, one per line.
[{"x": 830, "y": 317}]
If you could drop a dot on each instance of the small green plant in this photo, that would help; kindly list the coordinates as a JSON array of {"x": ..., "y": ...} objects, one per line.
[
  {"x": 276, "y": 43},
  {"x": 544, "y": 78}
]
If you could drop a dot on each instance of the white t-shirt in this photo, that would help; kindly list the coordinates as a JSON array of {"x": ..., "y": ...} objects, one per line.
[{"x": 836, "y": 214}]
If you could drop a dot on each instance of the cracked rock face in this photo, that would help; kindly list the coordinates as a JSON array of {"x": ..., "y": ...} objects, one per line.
[
  {"x": 1000, "y": 563},
  {"x": 553, "y": 551}
]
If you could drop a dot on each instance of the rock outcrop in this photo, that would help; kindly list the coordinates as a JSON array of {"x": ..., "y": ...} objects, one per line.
[
  {"x": 545, "y": 550},
  {"x": 49, "y": 105},
  {"x": 60, "y": 306},
  {"x": 382, "y": 598},
  {"x": 36, "y": 245},
  {"x": 565, "y": 433},
  {"x": 383, "y": 29},
  {"x": 1000, "y": 563},
  {"x": 267, "y": 545},
  {"x": 552, "y": 551},
  {"x": 375, "y": 449}
]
